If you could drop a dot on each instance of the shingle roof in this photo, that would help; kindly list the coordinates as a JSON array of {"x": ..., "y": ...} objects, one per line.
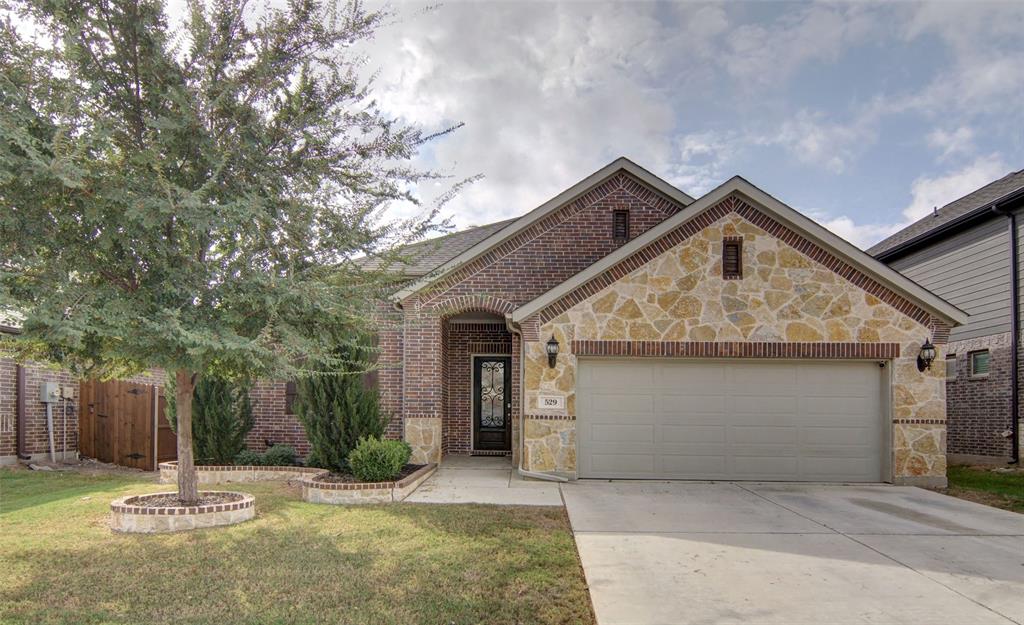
[
  {"x": 425, "y": 256},
  {"x": 950, "y": 212}
]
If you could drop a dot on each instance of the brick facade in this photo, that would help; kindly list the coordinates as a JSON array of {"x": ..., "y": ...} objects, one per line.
[
  {"x": 534, "y": 260},
  {"x": 978, "y": 408},
  {"x": 463, "y": 341}
]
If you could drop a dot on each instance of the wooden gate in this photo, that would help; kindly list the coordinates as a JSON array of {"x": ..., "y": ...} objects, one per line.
[{"x": 124, "y": 423}]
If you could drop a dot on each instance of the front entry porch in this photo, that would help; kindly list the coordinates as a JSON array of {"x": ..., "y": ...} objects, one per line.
[{"x": 488, "y": 480}]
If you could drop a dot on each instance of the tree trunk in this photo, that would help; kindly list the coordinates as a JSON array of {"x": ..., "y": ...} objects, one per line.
[{"x": 188, "y": 481}]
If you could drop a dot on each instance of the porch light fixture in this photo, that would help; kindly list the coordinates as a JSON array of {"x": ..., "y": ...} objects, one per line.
[
  {"x": 552, "y": 349},
  {"x": 927, "y": 355}
]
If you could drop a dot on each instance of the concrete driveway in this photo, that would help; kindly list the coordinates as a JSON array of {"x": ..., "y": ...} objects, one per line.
[{"x": 688, "y": 552}]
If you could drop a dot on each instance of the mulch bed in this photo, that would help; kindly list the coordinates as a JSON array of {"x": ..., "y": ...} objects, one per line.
[
  {"x": 173, "y": 501},
  {"x": 348, "y": 478}
]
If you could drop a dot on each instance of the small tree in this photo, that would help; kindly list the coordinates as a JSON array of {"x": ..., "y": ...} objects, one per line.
[
  {"x": 338, "y": 409},
  {"x": 193, "y": 200},
  {"x": 221, "y": 418}
]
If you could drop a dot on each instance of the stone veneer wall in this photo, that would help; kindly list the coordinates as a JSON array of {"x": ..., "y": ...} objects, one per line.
[{"x": 783, "y": 297}]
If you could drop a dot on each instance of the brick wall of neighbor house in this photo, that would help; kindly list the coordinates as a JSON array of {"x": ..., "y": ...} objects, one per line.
[
  {"x": 979, "y": 407},
  {"x": 36, "y": 436},
  {"x": 533, "y": 261},
  {"x": 788, "y": 304},
  {"x": 465, "y": 340}
]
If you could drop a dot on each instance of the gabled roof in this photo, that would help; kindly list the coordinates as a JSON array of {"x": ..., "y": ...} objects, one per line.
[
  {"x": 786, "y": 215},
  {"x": 949, "y": 214},
  {"x": 560, "y": 200},
  {"x": 424, "y": 256}
]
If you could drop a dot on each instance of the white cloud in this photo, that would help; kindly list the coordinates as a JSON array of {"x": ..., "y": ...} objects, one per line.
[
  {"x": 927, "y": 193},
  {"x": 950, "y": 142},
  {"x": 814, "y": 140}
]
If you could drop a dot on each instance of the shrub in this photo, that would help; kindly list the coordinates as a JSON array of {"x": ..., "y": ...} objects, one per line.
[
  {"x": 338, "y": 410},
  {"x": 276, "y": 456},
  {"x": 279, "y": 456},
  {"x": 375, "y": 460},
  {"x": 221, "y": 418},
  {"x": 249, "y": 458}
]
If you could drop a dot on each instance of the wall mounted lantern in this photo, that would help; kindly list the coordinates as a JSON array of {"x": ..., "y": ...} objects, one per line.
[
  {"x": 552, "y": 349},
  {"x": 927, "y": 355}
]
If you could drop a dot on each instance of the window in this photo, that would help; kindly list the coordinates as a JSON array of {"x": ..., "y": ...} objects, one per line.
[
  {"x": 289, "y": 398},
  {"x": 620, "y": 226},
  {"x": 732, "y": 258},
  {"x": 979, "y": 363},
  {"x": 950, "y": 366}
]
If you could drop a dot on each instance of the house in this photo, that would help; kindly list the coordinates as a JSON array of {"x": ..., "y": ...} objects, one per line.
[
  {"x": 624, "y": 329},
  {"x": 968, "y": 253}
]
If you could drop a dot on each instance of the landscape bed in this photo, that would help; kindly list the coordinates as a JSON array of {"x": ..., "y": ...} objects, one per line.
[
  {"x": 332, "y": 488},
  {"x": 161, "y": 512}
]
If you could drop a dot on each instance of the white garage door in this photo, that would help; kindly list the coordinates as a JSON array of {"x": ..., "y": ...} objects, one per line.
[{"x": 735, "y": 420}]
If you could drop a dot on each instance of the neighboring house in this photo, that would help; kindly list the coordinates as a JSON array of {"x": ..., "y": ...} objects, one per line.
[
  {"x": 968, "y": 252},
  {"x": 626, "y": 330}
]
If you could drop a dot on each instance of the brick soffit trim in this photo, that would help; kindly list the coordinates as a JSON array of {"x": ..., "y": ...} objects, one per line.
[
  {"x": 619, "y": 181},
  {"x": 736, "y": 204}
]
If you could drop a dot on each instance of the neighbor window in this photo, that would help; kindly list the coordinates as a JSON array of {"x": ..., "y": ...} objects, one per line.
[
  {"x": 950, "y": 366},
  {"x": 732, "y": 258},
  {"x": 620, "y": 226},
  {"x": 979, "y": 362}
]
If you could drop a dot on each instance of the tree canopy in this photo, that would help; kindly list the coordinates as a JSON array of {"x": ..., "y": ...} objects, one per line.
[{"x": 194, "y": 197}]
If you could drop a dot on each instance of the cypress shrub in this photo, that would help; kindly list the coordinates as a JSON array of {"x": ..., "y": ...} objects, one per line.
[
  {"x": 221, "y": 418},
  {"x": 338, "y": 409}
]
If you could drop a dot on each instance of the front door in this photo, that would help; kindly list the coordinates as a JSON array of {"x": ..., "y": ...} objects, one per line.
[{"x": 492, "y": 403}]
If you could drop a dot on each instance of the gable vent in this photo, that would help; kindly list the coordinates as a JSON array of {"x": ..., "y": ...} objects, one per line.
[
  {"x": 732, "y": 258},
  {"x": 620, "y": 226}
]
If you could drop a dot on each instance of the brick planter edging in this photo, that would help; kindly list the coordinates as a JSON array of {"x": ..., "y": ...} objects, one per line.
[
  {"x": 219, "y": 474},
  {"x": 128, "y": 518},
  {"x": 315, "y": 491}
]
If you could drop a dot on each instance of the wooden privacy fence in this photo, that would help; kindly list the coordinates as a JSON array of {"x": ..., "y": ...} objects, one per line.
[{"x": 124, "y": 423}]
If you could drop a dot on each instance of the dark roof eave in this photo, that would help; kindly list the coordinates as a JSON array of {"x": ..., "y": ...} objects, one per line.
[{"x": 982, "y": 213}]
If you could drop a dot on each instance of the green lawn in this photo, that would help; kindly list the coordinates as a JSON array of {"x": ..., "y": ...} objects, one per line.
[
  {"x": 295, "y": 563},
  {"x": 1002, "y": 490}
]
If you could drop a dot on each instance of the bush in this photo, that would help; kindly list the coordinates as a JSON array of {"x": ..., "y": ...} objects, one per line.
[
  {"x": 279, "y": 456},
  {"x": 276, "y": 456},
  {"x": 375, "y": 460},
  {"x": 221, "y": 418},
  {"x": 338, "y": 410},
  {"x": 249, "y": 458}
]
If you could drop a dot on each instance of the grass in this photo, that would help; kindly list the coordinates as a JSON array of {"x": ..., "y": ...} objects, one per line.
[
  {"x": 1001, "y": 490},
  {"x": 295, "y": 563}
]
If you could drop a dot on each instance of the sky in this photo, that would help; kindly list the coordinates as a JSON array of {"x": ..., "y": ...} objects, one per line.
[{"x": 863, "y": 116}]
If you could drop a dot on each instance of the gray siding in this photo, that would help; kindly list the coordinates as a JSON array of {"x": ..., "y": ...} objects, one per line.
[{"x": 971, "y": 270}]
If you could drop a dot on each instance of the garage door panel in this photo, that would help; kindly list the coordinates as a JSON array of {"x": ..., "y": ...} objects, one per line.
[
  {"x": 623, "y": 464},
  {"x": 764, "y": 420},
  {"x": 615, "y": 433},
  {"x": 696, "y": 433}
]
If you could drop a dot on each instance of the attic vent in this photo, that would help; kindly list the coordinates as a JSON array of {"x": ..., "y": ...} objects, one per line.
[
  {"x": 620, "y": 226},
  {"x": 732, "y": 258}
]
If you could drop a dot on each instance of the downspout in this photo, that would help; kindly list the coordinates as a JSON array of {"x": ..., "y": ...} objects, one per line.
[
  {"x": 1015, "y": 334},
  {"x": 19, "y": 403},
  {"x": 522, "y": 410}
]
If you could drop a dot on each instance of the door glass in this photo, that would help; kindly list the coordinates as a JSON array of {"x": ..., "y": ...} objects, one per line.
[{"x": 492, "y": 394}]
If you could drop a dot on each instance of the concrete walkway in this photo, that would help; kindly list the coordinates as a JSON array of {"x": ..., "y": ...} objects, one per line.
[
  {"x": 484, "y": 479},
  {"x": 686, "y": 552}
]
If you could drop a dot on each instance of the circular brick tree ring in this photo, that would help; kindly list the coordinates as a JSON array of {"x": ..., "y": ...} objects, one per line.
[{"x": 131, "y": 515}]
